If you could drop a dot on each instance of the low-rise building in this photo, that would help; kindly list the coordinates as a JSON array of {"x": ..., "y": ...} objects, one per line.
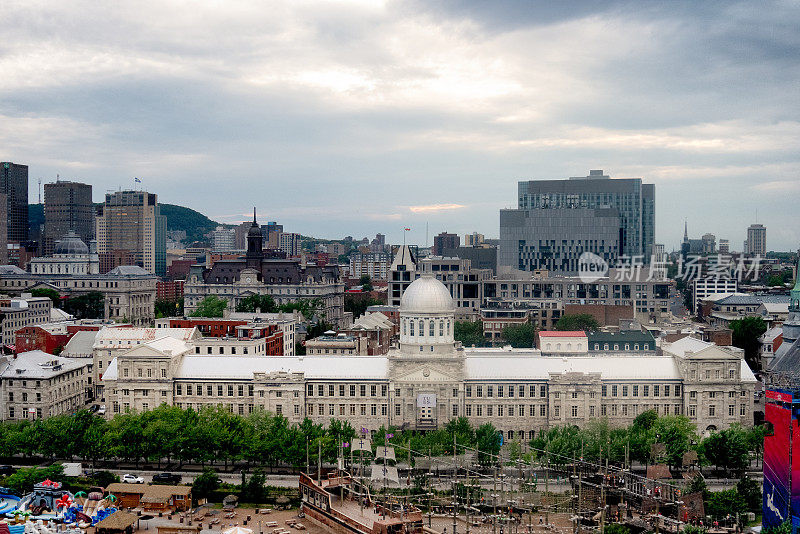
[
  {"x": 630, "y": 341},
  {"x": 563, "y": 342},
  {"x": 16, "y": 313},
  {"x": 333, "y": 344},
  {"x": 36, "y": 385},
  {"x": 129, "y": 291}
]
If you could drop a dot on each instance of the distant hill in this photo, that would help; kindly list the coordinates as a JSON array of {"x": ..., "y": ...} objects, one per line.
[{"x": 195, "y": 224}]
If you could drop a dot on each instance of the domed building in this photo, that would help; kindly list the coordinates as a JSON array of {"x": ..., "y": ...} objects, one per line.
[
  {"x": 427, "y": 318},
  {"x": 71, "y": 256}
]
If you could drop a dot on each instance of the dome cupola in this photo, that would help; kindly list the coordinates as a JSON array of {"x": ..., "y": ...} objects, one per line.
[
  {"x": 70, "y": 244},
  {"x": 427, "y": 318}
]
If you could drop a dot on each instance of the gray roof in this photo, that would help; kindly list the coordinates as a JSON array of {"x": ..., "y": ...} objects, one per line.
[
  {"x": 38, "y": 364},
  {"x": 10, "y": 269},
  {"x": 127, "y": 270},
  {"x": 624, "y": 336},
  {"x": 752, "y": 300},
  {"x": 789, "y": 361},
  {"x": 80, "y": 344}
]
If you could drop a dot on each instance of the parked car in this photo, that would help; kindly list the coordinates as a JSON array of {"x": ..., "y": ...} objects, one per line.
[
  {"x": 132, "y": 479},
  {"x": 101, "y": 410},
  {"x": 6, "y": 470},
  {"x": 169, "y": 478}
]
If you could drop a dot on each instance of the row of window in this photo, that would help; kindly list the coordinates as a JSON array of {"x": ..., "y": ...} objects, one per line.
[{"x": 408, "y": 327}]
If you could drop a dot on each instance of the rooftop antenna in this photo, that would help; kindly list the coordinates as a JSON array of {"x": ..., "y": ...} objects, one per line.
[{"x": 40, "y": 190}]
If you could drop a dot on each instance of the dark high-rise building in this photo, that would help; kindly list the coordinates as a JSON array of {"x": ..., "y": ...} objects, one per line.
[
  {"x": 444, "y": 241},
  {"x": 67, "y": 206},
  {"x": 557, "y": 220},
  {"x": 14, "y": 184}
]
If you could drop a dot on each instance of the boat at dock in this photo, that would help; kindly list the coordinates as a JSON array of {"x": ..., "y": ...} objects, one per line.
[{"x": 344, "y": 505}]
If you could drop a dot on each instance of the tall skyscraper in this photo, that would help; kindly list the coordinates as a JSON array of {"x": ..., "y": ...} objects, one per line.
[
  {"x": 67, "y": 207},
  {"x": 14, "y": 184},
  {"x": 557, "y": 220},
  {"x": 131, "y": 221},
  {"x": 756, "y": 240}
]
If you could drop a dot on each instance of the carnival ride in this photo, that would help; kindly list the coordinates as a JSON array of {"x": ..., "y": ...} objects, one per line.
[{"x": 49, "y": 503}]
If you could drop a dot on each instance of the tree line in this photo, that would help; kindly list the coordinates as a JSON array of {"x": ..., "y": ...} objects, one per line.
[
  {"x": 651, "y": 439},
  {"x": 212, "y": 436}
]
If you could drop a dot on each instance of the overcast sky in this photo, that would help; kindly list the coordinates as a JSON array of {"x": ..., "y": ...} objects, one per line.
[{"x": 357, "y": 117}]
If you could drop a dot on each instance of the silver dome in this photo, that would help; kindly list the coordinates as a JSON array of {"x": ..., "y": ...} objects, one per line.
[
  {"x": 70, "y": 244},
  {"x": 427, "y": 295}
]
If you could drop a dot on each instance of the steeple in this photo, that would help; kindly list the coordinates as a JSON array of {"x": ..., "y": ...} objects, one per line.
[{"x": 255, "y": 241}]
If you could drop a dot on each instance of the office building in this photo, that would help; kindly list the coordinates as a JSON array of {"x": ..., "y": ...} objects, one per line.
[
  {"x": 444, "y": 241},
  {"x": 14, "y": 184},
  {"x": 558, "y": 220},
  {"x": 131, "y": 221},
  {"x": 223, "y": 239},
  {"x": 3, "y": 229},
  {"x": 373, "y": 264},
  {"x": 474, "y": 239},
  {"x": 289, "y": 243},
  {"x": 67, "y": 208},
  {"x": 756, "y": 243},
  {"x": 709, "y": 243},
  {"x": 724, "y": 246}
]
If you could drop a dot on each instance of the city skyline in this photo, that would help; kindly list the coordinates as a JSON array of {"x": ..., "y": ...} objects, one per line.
[{"x": 444, "y": 108}]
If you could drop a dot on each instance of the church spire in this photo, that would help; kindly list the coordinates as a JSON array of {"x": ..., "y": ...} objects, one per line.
[
  {"x": 254, "y": 217},
  {"x": 685, "y": 231}
]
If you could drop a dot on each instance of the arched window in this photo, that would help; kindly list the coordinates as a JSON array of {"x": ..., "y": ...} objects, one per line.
[
  {"x": 448, "y": 327},
  {"x": 558, "y": 346},
  {"x": 548, "y": 346},
  {"x": 404, "y": 326},
  {"x": 441, "y": 328},
  {"x": 432, "y": 328},
  {"x": 421, "y": 328},
  {"x": 569, "y": 346},
  {"x": 411, "y": 327}
]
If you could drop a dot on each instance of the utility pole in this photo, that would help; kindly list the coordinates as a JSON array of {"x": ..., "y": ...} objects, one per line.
[
  {"x": 494, "y": 501},
  {"x": 547, "y": 490},
  {"x": 455, "y": 484},
  {"x": 319, "y": 461}
]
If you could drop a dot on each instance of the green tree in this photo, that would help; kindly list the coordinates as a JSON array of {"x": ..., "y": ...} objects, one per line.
[
  {"x": 469, "y": 333},
  {"x": 775, "y": 280},
  {"x": 723, "y": 503},
  {"x": 488, "y": 443},
  {"x": 357, "y": 303},
  {"x": 211, "y": 306},
  {"x": 577, "y": 321},
  {"x": 728, "y": 449},
  {"x": 676, "y": 432},
  {"x": 520, "y": 336},
  {"x": 168, "y": 308},
  {"x": 617, "y": 528},
  {"x": 251, "y": 303},
  {"x": 48, "y": 292},
  {"x": 365, "y": 282},
  {"x": 205, "y": 484},
  {"x": 252, "y": 491},
  {"x": 746, "y": 332},
  {"x": 750, "y": 491},
  {"x": 90, "y": 305}
]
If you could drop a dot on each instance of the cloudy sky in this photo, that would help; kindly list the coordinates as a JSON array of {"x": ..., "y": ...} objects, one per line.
[{"x": 358, "y": 116}]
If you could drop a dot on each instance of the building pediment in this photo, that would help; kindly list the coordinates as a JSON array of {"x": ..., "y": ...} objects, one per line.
[
  {"x": 711, "y": 353},
  {"x": 425, "y": 373}
]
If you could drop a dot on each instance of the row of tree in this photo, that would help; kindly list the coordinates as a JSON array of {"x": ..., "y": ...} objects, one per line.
[
  {"x": 651, "y": 439},
  {"x": 211, "y": 436},
  {"x": 89, "y": 305}
]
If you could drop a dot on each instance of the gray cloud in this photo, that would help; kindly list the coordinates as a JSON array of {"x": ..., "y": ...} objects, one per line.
[{"x": 337, "y": 118}]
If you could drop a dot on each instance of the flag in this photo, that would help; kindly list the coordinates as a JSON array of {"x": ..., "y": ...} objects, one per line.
[
  {"x": 137, "y": 180},
  {"x": 407, "y": 229}
]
